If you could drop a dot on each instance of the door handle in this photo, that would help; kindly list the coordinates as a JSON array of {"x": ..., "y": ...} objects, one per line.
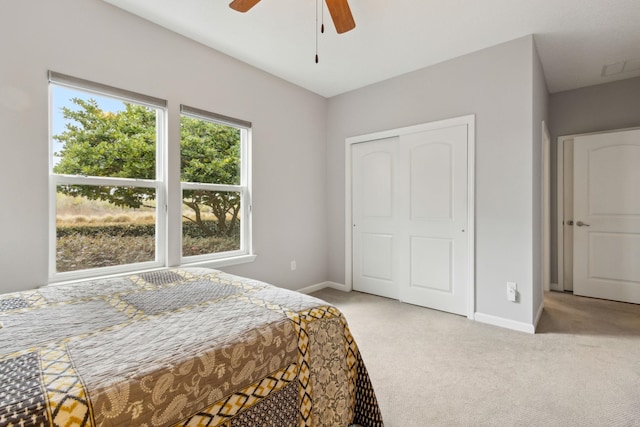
[
  {"x": 582, "y": 224},
  {"x": 570, "y": 222}
]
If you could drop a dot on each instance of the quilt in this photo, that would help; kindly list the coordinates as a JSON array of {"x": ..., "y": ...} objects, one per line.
[{"x": 179, "y": 347}]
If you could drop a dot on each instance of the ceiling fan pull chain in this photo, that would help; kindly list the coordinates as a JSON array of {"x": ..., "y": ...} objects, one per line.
[
  {"x": 322, "y": 26},
  {"x": 316, "y": 30}
]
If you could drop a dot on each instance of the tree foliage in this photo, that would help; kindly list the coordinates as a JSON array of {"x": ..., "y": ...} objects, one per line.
[{"x": 123, "y": 145}]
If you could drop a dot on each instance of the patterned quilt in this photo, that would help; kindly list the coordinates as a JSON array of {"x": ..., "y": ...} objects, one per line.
[{"x": 186, "y": 347}]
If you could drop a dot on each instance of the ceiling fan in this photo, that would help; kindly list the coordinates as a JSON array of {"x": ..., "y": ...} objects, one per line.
[{"x": 339, "y": 10}]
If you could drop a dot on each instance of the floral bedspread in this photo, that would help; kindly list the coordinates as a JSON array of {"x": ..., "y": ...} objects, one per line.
[{"x": 183, "y": 347}]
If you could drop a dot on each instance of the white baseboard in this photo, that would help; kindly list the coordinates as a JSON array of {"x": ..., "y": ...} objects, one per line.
[
  {"x": 505, "y": 323},
  {"x": 322, "y": 285},
  {"x": 554, "y": 286}
]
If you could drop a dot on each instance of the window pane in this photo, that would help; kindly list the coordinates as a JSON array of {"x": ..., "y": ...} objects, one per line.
[
  {"x": 209, "y": 152},
  {"x": 104, "y": 226},
  {"x": 96, "y": 135},
  {"x": 210, "y": 222}
]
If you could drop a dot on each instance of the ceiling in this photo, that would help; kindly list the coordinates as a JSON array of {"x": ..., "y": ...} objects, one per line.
[{"x": 576, "y": 39}]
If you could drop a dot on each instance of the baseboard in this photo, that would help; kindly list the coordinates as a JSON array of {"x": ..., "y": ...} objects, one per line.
[
  {"x": 322, "y": 285},
  {"x": 505, "y": 323},
  {"x": 554, "y": 286}
]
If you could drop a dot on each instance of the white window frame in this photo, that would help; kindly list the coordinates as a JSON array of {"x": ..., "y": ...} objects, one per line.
[
  {"x": 165, "y": 226},
  {"x": 245, "y": 253},
  {"x": 159, "y": 184}
]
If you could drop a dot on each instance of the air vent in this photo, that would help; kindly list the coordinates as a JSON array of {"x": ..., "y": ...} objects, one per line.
[{"x": 621, "y": 67}]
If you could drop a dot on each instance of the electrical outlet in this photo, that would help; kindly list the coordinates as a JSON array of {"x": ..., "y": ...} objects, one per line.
[
  {"x": 512, "y": 291},
  {"x": 293, "y": 265}
]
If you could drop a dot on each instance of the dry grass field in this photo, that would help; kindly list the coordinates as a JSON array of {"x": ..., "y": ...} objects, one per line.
[{"x": 92, "y": 234}]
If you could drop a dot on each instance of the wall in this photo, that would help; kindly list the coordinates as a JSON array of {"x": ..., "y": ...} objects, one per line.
[
  {"x": 495, "y": 84},
  {"x": 96, "y": 41},
  {"x": 603, "y": 107}
]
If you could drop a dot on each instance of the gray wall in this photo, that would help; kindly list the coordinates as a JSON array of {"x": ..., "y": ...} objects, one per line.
[
  {"x": 298, "y": 145},
  {"x": 496, "y": 85},
  {"x": 539, "y": 113},
  {"x": 96, "y": 41},
  {"x": 604, "y": 107}
]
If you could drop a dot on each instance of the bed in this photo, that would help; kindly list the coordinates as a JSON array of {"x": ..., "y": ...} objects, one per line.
[{"x": 179, "y": 347}]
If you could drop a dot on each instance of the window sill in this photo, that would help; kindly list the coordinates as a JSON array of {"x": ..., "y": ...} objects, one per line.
[
  {"x": 224, "y": 262},
  {"x": 212, "y": 263}
]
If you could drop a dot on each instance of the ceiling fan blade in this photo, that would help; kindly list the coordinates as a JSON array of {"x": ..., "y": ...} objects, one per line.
[
  {"x": 243, "y": 5},
  {"x": 341, "y": 15}
]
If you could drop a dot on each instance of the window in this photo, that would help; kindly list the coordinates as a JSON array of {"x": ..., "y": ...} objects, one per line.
[
  {"x": 108, "y": 188},
  {"x": 214, "y": 174}
]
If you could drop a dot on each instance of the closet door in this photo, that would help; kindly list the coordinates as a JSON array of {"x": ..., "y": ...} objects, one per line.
[
  {"x": 409, "y": 208},
  {"x": 376, "y": 217},
  {"x": 434, "y": 266}
]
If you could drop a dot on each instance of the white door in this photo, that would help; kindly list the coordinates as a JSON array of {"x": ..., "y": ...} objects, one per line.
[
  {"x": 410, "y": 218},
  {"x": 607, "y": 216},
  {"x": 567, "y": 223},
  {"x": 375, "y": 213}
]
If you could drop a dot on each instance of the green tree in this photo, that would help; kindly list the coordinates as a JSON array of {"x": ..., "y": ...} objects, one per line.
[
  {"x": 122, "y": 144},
  {"x": 210, "y": 153}
]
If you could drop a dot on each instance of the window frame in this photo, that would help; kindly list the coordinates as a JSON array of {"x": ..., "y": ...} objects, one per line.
[
  {"x": 167, "y": 227},
  {"x": 245, "y": 253},
  {"x": 158, "y": 184}
]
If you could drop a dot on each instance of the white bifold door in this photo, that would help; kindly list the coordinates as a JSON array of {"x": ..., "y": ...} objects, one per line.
[
  {"x": 606, "y": 212},
  {"x": 409, "y": 207}
]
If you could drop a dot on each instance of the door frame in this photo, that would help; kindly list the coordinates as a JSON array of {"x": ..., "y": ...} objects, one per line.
[
  {"x": 560, "y": 286},
  {"x": 546, "y": 208},
  {"x": 469, "y": 121}
]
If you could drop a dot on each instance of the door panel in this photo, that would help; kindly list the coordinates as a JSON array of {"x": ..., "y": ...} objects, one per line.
[
  {"x": 433, "y": 234},
  {"x": 432, "y": 264},
  {"x": 376, "y": 184},
  {"x": 430, "y": 181},
  {"x": 614, "y": 256},
  {"x": 607, "y": 216},
  {"x": 377, "y": 250},
  {"x": 374, "y": 210}
]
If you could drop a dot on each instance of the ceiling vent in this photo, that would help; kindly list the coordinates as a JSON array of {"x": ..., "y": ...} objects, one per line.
[{"x": 621, "y": 67}]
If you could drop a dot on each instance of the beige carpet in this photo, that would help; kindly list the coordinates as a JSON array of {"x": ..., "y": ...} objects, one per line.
[{"x": 428, "y": 368}]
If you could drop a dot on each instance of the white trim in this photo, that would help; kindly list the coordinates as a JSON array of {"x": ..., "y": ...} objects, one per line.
[
  {"x": 323, "y": 285},
  {"x": 197, "y": 113},
  {"x": 468, "y": 120},
  {"x": 222, "y": 262},
  {"x": 560, "y": 213},
  {"x": 245, "y": 252},
  {"x": 105, "y": 181},
  {"x": 160, "y": 185},
  {"x": 104, "y": 276},
  {"x": 505, "y": 323},
  {"x": 348, "y": 211},
  {"x": 60, "y": 79},
  {"x": 212, "y": 187},
  {"x": 161, "y": 111},
  {"x": 554, "y": 286},
  {"x": 100, "y": 272},
  {"x": 471, "y": 215}
]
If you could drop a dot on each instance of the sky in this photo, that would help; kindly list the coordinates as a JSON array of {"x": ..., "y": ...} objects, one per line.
[{"x": 61, "y": 97}]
